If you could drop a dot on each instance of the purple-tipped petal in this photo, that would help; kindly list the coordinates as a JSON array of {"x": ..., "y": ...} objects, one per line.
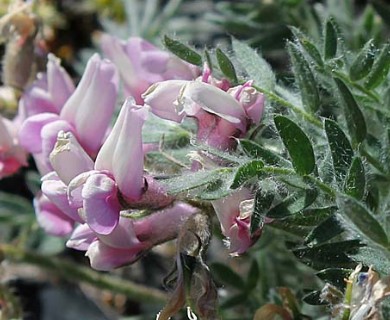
[
  {"x": 101, "y": 205},
  {"x": 68, "y": 158}
]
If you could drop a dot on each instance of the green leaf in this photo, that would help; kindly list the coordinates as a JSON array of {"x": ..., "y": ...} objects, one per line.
[
  {"x": 304, "y": 77},
  {"x": 380, "y": 68},
  {"x": 182, "y": 51},
  {"x": 293, "y": 204},
  {"x": 362, "y": 220},
  {"x": 361, "y": 66},
  {"x": 330, "y": 39},
  {"x": 312, "y": 216},
  {"x": 355, "y": 182},
  {"x": 335, "y": 276},
  {"x": 193, "y": 180},
  {"x": 246, "y": 172},
  {"x": 226, "y": 275},
  {"x": 373, "y": 256},
  {"x": 254, "y": 150},
  {"x": 353, "y": 115},
  {"x": 329, "y": 255},
  {"x": 340, "y": 148},
  {"x": 308, "y": 46},
  {"x": 325, "y": 231},
  {"x": 14, "y": 205},
  {"x": 255, "y": 66},
  {"x": 263, "y": 201},
  {"x": 297, "y": 144},
  {"x": 226, "y": 66}
]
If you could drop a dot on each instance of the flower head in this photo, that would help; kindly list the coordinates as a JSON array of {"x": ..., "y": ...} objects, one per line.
[{"x": 141, "y": 64}]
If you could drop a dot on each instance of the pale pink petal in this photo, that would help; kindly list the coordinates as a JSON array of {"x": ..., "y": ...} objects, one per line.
[
  {"x": 91, "y": 106},
  {"x": 60, "y": 85},
  {"x": 123, "y": 236},
  {"x": 120, "y": 53},
  {"x": 56, "y": 191},
  {"x": 49, "y": 135},
  {"x": 30, "y": 132},
  {"x": 228, "y": 208},
  {"x": 105, "y": 258},
  {"x": 81, "y": 238},
  {"x": 68, "y": 158},
  {"x": 213, "y": 100},
  {"x": 251, "y": 100},
  {"x": 163, "y": 225},
  {"x": 162, "y": 99},
  {"x": 122, "y": 152},
  {"x": 239, "y": 238},
  {"x": 75, "y": 188},
  {"x": 51, "y": 218}
]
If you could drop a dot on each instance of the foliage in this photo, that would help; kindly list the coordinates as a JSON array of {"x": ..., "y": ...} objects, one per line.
[{"x": 317, "y": 165}]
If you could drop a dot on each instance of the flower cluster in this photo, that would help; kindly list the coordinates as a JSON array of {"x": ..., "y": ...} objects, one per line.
[{"x": 94, "y": 185}]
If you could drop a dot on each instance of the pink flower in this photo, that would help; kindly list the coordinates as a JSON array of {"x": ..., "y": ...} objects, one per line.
[
  {"x": 12, "y": 156},
  {"x": 117, "y": 181},
  {"x": 87, "y": 114},
  {"x": 234, "y": 214},
  {"x": 130, "y": 238},
  {"x": 221, "y": 115},
  {"x": 68, "y": 160},
  {"x": 48, "y": 93},
  {"x": 141, "y": 64}
]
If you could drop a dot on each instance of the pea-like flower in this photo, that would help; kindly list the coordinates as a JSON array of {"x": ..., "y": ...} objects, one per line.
[
  {"x": 95, "y": 95},
  {"x": 48, "y": 93},
  {"x": 131, "y": 237},
  {"x": 117, "y": 181},
  {"x": 220, "y": 115},
  {"x": 234, "y": 214},
  {"x": 141, "y": 64}
]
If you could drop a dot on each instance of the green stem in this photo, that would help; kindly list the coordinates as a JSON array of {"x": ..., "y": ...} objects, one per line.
[
  {"x": 274, "y": 97},
  {"x": 75, "y": 273}
]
